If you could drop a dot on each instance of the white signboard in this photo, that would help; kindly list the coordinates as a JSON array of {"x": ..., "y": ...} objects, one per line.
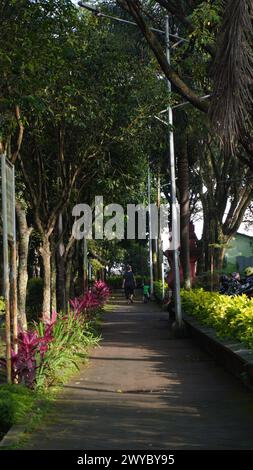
[{"x": 8, "y": 197}]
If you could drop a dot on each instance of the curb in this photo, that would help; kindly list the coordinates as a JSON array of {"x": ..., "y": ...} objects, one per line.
[
  {"x": 234, "y": 356},
  {"x": 13, "y": 436},
  {"x": 17, "y": 431}
]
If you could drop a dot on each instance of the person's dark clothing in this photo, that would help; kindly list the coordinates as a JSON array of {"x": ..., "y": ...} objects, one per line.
[
  {"x": 129, "y": 279},
  {"x": 129, "y": 283}
]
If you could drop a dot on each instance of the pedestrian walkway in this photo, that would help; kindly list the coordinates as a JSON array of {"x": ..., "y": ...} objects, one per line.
[{"x": 145, "y": 390}]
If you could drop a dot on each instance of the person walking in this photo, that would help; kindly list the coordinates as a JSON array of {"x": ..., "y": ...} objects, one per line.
[{"x": 129, "y": 284}]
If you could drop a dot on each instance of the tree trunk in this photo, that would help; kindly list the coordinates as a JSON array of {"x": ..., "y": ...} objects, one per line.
[
  {"x": 201, "y": 261},
  {"x": 206, "y": 240},
  {"x": 53, "y": 282},
  {"x": 69, "y": 274},
  {"x": 209, "y": 236},
  {"x": 23, "y": 248},
  {"x": 68, "y": 281},
  {"x": 222, "y": 240},
  {"x": 183, "y": 185},
  {"x": 85, "y": 265},
  {"x": 61, "y": 282},
  {"x": 214, "y": 242},
  {"x": 221, "y": 258},
  {"x": 61, "y": 269},
  {"x": 46, "y": 256}
]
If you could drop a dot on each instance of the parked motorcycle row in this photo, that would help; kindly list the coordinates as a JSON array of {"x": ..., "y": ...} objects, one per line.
[{"x": 235, "y": 285}]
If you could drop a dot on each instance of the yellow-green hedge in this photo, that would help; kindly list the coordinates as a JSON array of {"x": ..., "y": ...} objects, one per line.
[
  {"x": 232, "y": 317},
  {"x": 158, "y": 290},
  {"x": 2, "y": 305}
]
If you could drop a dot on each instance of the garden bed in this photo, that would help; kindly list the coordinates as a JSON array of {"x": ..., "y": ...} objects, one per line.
[
  {"x": 19, "y": 404},
  {"x": 49, "y": 352},
  {"x": 223, "y": 326},
  {"x": 236, "y": 358}
]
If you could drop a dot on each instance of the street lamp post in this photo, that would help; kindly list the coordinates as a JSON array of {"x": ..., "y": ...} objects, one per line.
[
  {"x": 98, "y": 13},
  {"x": 175, "y": 222},
  {"x": 150, "y": 237}
]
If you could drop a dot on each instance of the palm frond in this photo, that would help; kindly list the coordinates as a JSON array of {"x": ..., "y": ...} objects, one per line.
[{"x": 233, "y": 73}]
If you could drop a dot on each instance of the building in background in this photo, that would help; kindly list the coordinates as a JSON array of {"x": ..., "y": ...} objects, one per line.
[{"x": 239, "y": 253}]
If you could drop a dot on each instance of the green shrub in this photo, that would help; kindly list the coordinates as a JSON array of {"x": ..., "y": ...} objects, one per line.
[
  {"x": 2, "y": 309},
  {"x": 115, "y": 281},
  {"x": 232, "y": 317},
  {"x": 15, "y": 402},
  {"x": 71, "y": 338},
  {"x": 34, "y": 298},
  {"x": 2, "y": 305},
  {"x": 19, "y": 404},
  {"x": 6, "y": 412},
  {"x": 139, "y": 280},
  {"x": 158, "y": 291}
]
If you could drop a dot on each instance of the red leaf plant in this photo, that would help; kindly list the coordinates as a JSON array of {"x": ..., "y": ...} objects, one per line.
[
  {"x": 32, "y": 344},
  {"x": 31, "y": 351},
  {"x": 88, "y": 302},
  {"x": 101, "y": 291}
]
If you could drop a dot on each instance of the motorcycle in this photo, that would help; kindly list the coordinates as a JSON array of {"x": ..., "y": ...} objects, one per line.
[{"x": 233, "y": 285}]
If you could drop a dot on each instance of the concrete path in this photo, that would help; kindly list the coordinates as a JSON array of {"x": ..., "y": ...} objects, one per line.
[{"x": 144, "y": 390}]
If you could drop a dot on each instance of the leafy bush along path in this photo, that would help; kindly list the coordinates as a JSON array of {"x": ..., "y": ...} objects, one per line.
[
  {"x": 144, "y": 390},
  {"x": 54, "y": 344},
  {"x": 19, "y": 405},
  {"x": 48, "y": 354},
  {"x": 231, "y": 317}
]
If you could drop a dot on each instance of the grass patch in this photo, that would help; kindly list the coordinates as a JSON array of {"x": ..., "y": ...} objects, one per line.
[
  {"x": 21, "y": 405},
  {"x": 48, "y": 356},
  {"x": 17, "y": 402}
]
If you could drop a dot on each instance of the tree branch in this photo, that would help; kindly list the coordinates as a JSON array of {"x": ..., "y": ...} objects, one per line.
[
  {"x": 182, "y": 88},
  {"x": 34, "y": 199},
  {"x": 20, "y": 134}
]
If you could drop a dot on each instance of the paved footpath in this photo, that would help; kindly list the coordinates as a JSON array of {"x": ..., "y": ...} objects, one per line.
[{"x": 145, "y": 390}]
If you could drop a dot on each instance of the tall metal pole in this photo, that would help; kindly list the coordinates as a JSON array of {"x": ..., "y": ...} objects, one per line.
[
  {"x": 14, "y": 270},
  {"x": 100, "y": 14},
  {"x": 6, "y": 270},
  {"x": 150, "y": 238},
  {"x": 175, "y": 222},
  {"x": 163, "y": 280}
]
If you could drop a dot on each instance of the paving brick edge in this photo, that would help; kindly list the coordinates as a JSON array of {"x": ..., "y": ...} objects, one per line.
[
  {"x": 16, "y": 432},
  {"x": 13, "y": 436},
  {"x": 234, "y": 356}
]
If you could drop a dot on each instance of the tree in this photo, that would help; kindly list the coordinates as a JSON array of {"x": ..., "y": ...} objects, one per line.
[
  {"x": 219, "y": 40},
  {"x": 219, "y": 34},
  {"x": 224, "y": 186},
  {"x": 51, "y": 105},
  {"x": 231, "y": 105},
  {"x": 23, "y": 246}
]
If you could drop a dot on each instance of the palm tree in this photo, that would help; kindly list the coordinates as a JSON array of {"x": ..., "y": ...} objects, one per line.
[{"x": 231, "y": 104}]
